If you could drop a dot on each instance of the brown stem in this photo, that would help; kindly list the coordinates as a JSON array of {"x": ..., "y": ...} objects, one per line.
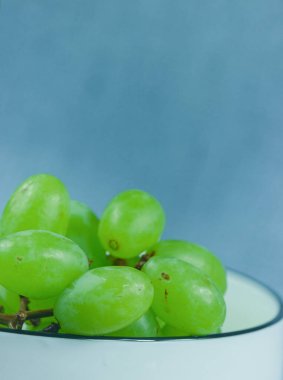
[
  {"x": 119, "y": 262},
  {"x": 144, "y": 259},
  {"x": 5, "y": 318},
  {"x": 24, "y": 301},
  {"x": 35, "y": 322},
  {"x": 34, "y": 314},
  {"x": 16, "y": 321},
  {"x": 90, "y": 262}
]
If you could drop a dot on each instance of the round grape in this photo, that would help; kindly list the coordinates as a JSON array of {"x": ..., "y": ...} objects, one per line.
[
  {"x": 104, "y": 300},
  {"x": 184, "y": 297},
  {"x": 41, "y": 202},
  {"x": 39, "y": 264},
  {"x": 131, "y": 223}
]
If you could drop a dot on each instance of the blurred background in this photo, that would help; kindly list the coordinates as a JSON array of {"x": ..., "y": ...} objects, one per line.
[{"x": 180, "y": 98}]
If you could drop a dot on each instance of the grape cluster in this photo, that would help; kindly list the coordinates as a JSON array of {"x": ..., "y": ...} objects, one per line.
[{"x": 61, "y": 266}]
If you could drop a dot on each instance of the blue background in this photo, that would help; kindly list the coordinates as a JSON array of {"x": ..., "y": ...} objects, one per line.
[{"x": 180, "y": 98}]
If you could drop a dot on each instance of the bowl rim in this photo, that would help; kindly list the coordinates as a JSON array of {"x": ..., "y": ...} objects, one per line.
[{"x": 273, "y": 321}]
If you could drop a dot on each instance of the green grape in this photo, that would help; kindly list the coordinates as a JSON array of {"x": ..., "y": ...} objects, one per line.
[
  {"x": 104, "y": 300},
  {"x": 82, "y": 229},
  {"x": 196, "y": 255},
  {"x": 184, "y": 297},
  {"x": 145, "y": 327},
  {"x": 10, "y": 301},
  {"x": 40, "y": 203},
  {"x": 39, "y": 264},
  {"x": 131, "y": 223}
]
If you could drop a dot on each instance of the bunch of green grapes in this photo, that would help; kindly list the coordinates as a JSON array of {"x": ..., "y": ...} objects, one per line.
[{"x": 113, "y": 277}]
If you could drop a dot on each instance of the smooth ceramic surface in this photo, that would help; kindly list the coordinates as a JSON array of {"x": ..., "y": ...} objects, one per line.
[{"x": 250, "y": 348}]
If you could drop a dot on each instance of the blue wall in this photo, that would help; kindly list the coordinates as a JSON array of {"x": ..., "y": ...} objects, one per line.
[{"x": 181, "y": 98}]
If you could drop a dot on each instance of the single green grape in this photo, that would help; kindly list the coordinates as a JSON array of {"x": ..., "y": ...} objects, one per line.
[
  {"x": 9, "y": 301},
  {"x": 194, "y": 254},
  {"x": 145, "y": 327},
  {"x": 41, "y": 202},
  {"x": 82, "y": 229},
  {"x": 104, "y": 300},
  {"x": 131, "y": 223},
  {"x": 39, "y": 264},
  {"x": 184, "y": 297}
]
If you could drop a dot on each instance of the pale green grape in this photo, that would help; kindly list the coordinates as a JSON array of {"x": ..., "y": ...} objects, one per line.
[
  {"x": 131, "y": 223},
  {"x": 104, "y": 300},
  {"x": 145, "y": 327},
  {"x": 82, "y": 229},
  {"x": 40, "y": 203},
  {"x": 194, "y": 254},
  {"x": 184, "y": 297},
  {"x": 39, "y": 264},
  {"x": 10, "y": 301}
]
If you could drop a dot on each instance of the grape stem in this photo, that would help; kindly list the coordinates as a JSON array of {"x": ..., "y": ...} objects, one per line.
[
  {"x": 144, "y": 259},
  {"x": 16, "y": 321}
]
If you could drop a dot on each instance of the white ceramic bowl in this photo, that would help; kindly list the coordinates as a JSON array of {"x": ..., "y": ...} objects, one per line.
[{"x": 250, "y": 348}]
